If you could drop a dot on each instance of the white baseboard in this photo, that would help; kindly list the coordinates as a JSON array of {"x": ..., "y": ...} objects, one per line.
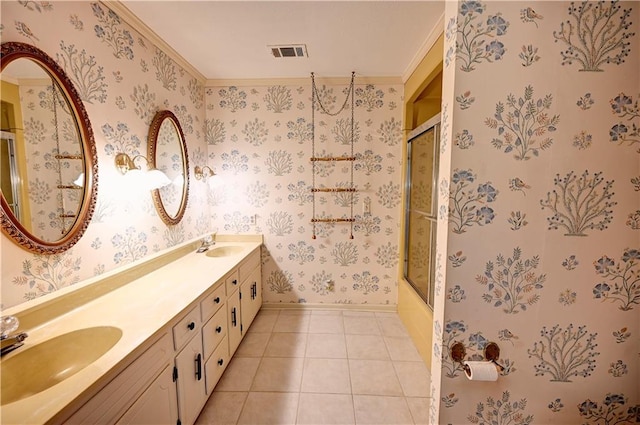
[{"x": 346, "y": 307}]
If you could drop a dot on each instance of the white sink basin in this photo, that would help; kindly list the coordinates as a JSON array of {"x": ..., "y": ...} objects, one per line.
[
  {"x": 50, "y": 362},
  {"x": 225, "y": 251}
]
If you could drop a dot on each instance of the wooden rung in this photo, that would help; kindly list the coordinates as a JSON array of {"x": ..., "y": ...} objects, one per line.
[
  {"x": 333, "y": 220},
  {"x": 333, "y": 189},
  {"x": 333, "y": 158},
  {"x": 68, "y": 156}
]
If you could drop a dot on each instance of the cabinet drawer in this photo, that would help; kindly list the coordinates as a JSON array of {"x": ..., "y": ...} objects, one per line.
[
  {"x": 214, "y": 331},
  {"x": 216, "y": 365},
  {"x": 186, "y": 328},
  {"x": 233, "y": 282},
  {"x": 212, "y": 303},
  {"x": 249, "y": 264}
]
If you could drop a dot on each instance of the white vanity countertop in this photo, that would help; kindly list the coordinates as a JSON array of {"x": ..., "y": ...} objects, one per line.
[{"x": 140, "y": 309}]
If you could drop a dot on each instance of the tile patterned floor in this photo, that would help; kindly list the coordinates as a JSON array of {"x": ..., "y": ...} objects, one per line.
[{"x": 322, "y": 367}]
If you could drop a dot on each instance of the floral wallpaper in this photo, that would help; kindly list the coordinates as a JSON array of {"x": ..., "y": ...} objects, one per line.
[
  {"x": 539, "y": 243},
  {"x": 258, "y": 140},
  {"x": 123, "y": 80},
  {"x": 261, "y": 141}
]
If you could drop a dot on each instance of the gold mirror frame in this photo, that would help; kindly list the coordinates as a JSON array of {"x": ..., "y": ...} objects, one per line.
[
  {"x": 11, "y": 226},
  {"x": 152, "y": 149}
]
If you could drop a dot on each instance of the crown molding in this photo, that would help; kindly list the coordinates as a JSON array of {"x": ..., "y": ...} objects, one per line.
[
  {"x": 431, "y": 39},
  {"x": 258, "y": 82},
  {"x": 138, "y": 25}
]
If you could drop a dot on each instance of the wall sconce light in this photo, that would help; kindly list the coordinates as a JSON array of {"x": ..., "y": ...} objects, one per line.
[
  {"x": 152, "y": 178},
  {"x": 202, "y": 173}
]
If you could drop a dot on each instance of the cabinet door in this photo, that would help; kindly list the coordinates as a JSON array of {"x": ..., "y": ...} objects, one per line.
[
  {"x": 157, "y": 405},
  {"x": 251, "y": 299},
  {"x": 190, "y": 383},
  {"x": 112, "y": 401},
  {"x": 234, "y": 321}
]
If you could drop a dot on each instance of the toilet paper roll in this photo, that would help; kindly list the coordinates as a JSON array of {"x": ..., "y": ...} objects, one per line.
[{"x": 481, "y": 371}]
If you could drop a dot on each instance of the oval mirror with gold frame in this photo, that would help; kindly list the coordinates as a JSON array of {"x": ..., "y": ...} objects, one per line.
[
  {"x": 48, "y": 153},
  {"x": 167, "y": 151}
]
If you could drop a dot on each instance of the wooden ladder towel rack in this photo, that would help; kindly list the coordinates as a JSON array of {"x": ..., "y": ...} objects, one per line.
[{"x": 315, "y": 99}]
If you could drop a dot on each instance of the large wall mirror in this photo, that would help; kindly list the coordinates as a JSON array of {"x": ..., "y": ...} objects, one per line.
[
  {"x": 167, "y": 151},
  {"x": 48, "y": 159}
]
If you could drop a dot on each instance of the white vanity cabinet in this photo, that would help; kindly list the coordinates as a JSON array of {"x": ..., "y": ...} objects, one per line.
[{"x": 172, "y": 379}]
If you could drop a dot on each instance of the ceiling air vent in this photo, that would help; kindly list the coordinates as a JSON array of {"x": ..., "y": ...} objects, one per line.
[{"x": 289, "y": 51}]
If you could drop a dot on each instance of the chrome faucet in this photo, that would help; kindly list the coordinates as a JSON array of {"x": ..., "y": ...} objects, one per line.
[
  {"x": 207, "y": 241},
  {"x": 10, "y": 341}
]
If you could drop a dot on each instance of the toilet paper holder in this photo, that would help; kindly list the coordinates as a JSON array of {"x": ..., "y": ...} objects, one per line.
[{"x": 491, "y": 353}]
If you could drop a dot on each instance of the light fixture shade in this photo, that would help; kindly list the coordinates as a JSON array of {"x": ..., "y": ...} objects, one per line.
[
  {"x": 214, "y": 182},
  {"x": 150, "y": 179},
  {"x": 155, "y": 179},
  {"x": 135, "y": 177},
  {"x": 79, "y": 181},
  {"x": 178, "y": 181}
]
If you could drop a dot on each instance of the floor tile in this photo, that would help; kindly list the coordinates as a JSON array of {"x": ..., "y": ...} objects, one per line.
[
  {"x": 326, "y": 346},
  {"x": 316, "y": 367},
  {"x": 366, "y": 347},
  {"x": 292, "y": 322},
  {"x": 286, "y": 344},
  {"x": 374, "y": 377},
  {"x": 326, "y": 324},
  {"x": 239, "y": 374},
  {"x": 326, "y": 376},
  {"x": 361, "y": 325},
  {"x": 222, "y": 408},
  {"x": 269, "y": 409},
  {"x": 253, "y": 344},
  {"x": 321, "y": 409},
  {"x": 402, "y": 349},
  {"x": 264, "y": 321},
  {"x": 381, "y": 410},
  {"x": 278, "y": 374},
  {"x": 419, "y": 408},
  {"x": 391, "y": 325},
  {"x": 414, "y": 378}
]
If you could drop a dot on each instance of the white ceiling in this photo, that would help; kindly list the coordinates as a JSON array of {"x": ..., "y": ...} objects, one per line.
[{"x": 229, "y": 39}]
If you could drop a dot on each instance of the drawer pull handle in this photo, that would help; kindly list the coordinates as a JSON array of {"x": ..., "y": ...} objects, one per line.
[
  {"x": 216, "y": 300},
  {"x": 199, "y": 367},
  {"x": 234, "y": 321},
  {"x": 219, "y": 329},
  {"x": 234, "y": 281},
  {"x": 191, "y": 326},
  {"x": 220, "y": 362}
]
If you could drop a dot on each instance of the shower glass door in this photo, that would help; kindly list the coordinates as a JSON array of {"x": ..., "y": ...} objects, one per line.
[{"x": 421, "y": 208}]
